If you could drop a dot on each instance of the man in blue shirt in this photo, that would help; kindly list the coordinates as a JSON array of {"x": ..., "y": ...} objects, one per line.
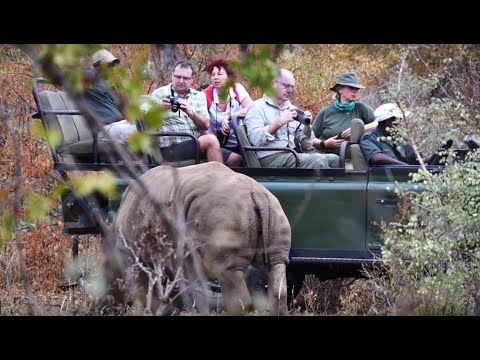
[
  {"x": 105, "y": 101},
  {"x": 376, "y": 147}
]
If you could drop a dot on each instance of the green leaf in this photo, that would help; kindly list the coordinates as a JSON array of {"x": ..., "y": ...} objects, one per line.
[
  {"x": 37, "y": 206},
  {"x": 53, "y": 137},
  {"x": 104, "y": 183},
  {"x": 7, "y": 227},
  {"x": 140, "y": 143}
]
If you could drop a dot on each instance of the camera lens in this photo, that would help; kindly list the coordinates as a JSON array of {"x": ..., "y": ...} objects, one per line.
[
  {"x": 174, "y": 105},
  {"x": 301, "y": 117}
]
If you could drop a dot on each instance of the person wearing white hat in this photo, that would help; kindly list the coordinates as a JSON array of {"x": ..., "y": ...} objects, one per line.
[
  {"x": 375, "y": 146},
  {"x": 105, "y": 101},
  {"x": 104, "y": 56},
  {"x": 332, "y": 124}
]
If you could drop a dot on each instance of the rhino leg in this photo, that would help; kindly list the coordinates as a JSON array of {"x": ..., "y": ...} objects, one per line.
[
  {"x": 277, "y": 290},
  {"x": 235, "y": 292}
]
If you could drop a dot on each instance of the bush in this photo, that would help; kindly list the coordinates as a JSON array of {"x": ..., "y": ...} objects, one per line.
[{"x": 432, "y": 254}]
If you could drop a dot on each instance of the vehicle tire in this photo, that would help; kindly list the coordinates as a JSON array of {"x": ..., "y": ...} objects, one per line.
[{"x": 256, "y": 284}]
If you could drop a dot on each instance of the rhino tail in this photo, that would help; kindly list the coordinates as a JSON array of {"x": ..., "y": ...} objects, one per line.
[{"x": 262, "y": 207}]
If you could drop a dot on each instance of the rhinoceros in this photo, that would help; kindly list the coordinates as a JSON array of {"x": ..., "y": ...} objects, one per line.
[{"x": 208, "y": 212}]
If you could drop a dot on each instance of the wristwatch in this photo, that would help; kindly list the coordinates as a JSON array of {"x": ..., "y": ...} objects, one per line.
[{"x": 321, "y": 145}]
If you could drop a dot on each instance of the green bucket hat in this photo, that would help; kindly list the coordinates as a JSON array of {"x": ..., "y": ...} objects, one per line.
[{"x": 347, "y": 79}]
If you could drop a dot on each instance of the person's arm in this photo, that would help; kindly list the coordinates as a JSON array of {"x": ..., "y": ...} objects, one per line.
[
  {"x": 368, "y": 117},
  {"x": 373, "y": 153},
  {"x": 284, "y": 119},
  {"x": 201, "y": 121},
  {"x": 371, "y": 126},
  {"x": 332, "y": 142},
  {"x": 256, "y": 130},
  {"x": 161, "y": 97},
  {"x": 226, "y": 121},
  {"x": 304, "y": 133},
  {"x": 318, "y": 124},
  {"x": 260, "y": 134},
  {"x": 245, "y": 101},
  {"x": 199, "y": 114},
  {"x": 382, "y": 159}
]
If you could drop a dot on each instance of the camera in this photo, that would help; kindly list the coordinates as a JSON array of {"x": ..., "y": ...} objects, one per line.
[
  {"x": 222, "y": 138},
  {"x": 301, "y": 117},
  {"x": 174, "y": 105}
]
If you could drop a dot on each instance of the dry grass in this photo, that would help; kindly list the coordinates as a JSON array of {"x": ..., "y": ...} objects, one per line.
[
  {"x": 348, "y": 296},
  {"x": 54, "y": 297}
]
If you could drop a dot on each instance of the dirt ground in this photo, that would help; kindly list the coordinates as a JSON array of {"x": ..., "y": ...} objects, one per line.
[{"x": 332, "y": 297}]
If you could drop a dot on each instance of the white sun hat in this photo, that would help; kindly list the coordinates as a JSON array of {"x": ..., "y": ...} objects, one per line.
[
  {"x": 104, "y": 56},
  {"x": 387, "y": 111}
]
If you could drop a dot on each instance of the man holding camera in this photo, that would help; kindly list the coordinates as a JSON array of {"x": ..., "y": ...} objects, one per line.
[
  {"x": 273, "y": 122},
  {"x": 187, "y": 112}
]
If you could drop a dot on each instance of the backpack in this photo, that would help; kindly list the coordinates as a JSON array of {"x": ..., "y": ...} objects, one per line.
[{"x": 209, "y": 92}]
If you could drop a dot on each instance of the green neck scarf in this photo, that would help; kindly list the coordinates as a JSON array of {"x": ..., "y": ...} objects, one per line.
[{"x": 344, "y": 107}]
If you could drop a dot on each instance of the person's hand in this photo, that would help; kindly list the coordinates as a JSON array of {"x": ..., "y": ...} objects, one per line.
[
  {"x": 346, "y": 133},
  {"x": 226, "y": 126},
  {"x": 165, "y": 103},
  {"x": 288, "y": 116},
  {"x": 333, "y": 142},
  {"x": 185, "y": 107}
]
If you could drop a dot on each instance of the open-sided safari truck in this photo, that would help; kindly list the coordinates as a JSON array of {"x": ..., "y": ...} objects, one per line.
[{"x": 332, "y": 212}]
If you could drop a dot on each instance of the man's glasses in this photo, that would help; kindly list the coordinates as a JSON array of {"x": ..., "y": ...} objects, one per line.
[
  {"x": 185, "y": 78},
  {"x": 286, "y": 86}
]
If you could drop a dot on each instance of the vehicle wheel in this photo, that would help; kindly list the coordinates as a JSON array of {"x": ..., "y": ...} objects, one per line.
[
  {"x": 212, "y": 296},
  {"x": 256, "y": 284},
  {"x": 294, "y": 285}
]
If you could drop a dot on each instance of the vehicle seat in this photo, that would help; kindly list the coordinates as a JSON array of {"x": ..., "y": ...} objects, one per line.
[
  {"x": 248, "y": 151},
  {"x": 358, "y": 159},
  {"x": 76, "y": 138},
  {"x": 242, "y": 139}
]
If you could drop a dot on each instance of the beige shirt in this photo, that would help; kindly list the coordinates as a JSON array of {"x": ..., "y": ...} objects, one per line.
[{"x": 258, "y": 119}]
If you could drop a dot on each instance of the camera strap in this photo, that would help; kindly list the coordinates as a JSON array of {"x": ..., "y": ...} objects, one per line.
[
  {"x": 298, "y": 145},
  {"x": 172, "y": 91}
]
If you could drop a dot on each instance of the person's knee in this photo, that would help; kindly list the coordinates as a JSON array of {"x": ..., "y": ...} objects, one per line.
[
  {"x": 120, "y": 131},
  {"x": 208, "y": 141},
  {"x": 333, "y": 160},
  {"x": 234, "y": 160}
]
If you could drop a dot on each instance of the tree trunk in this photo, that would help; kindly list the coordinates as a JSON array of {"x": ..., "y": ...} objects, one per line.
[{"x": 164, "y": 57}]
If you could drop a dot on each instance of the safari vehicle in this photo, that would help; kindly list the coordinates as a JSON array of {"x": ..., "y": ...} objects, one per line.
[{"x": 333, "y": 212}]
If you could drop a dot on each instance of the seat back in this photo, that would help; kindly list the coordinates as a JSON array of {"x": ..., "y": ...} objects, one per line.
[
  {"x": 250, "y": 157},
  {"x": 248, "y": 151},
  {"x": 72, "y": 128},
  {"x": 76, "y": 138},
  {"x": 358, "y": 159}
]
